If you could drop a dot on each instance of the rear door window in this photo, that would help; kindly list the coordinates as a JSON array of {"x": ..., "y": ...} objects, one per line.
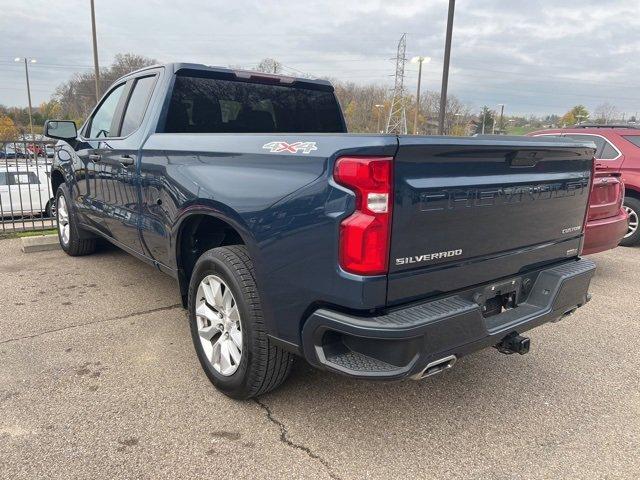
[
  {"x": 212, "y": 105},
  {"x": 599, "y": 141},
  {"x": 137, "y": 105},
  {"x": 608, "y": 152}
]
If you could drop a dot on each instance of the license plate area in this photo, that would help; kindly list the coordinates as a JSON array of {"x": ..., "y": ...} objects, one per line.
[{"x": 498, "y": 297}]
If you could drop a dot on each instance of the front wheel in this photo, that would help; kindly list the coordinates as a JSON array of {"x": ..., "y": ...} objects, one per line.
[
  {"x": 72, "y": 240},
  {"x": 227, "y": 326},
  {"x": 632, "y": 207}
]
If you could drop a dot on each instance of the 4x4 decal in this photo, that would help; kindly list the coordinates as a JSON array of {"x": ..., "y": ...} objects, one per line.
[{"x": 278, "y": 147}]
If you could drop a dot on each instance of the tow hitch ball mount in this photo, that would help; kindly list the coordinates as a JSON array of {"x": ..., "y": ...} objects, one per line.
[{"x": 514, "y": 343}]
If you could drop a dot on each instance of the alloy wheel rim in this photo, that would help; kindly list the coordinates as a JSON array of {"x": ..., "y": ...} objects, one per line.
[
  {"x": 219, "y": 325},
  {"x": 63, "y": 219},
  {"x": 633, "y": 221}
]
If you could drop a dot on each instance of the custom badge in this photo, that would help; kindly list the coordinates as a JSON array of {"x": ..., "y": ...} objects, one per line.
[{"x": 279, "y": 147}]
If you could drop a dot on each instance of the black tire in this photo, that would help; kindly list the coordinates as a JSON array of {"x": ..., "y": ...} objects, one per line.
[
  {"x": 263, "y": 366},
  {"x": 50, "y": 209},
  {"x": 633, "y": 239},
  {"x": 79, "y": 242}
]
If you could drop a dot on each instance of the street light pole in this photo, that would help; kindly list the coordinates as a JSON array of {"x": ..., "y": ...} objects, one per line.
[
  {"x": 95, "y": 51},
  {"x": 445, "y": 68},
  {"x": 419, "y": 61}
]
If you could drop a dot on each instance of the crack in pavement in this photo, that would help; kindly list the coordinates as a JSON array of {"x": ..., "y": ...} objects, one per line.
[
  {"x": 102, "y": 320},
  {"x": 284, "y": 438}
]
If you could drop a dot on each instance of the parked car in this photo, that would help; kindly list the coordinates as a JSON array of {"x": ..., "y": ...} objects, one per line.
[
  {"x": 375, "y": 256},
  {"x": 35, "y": 148},
  {"x": 613, "y": 214},
  {"x": 25, "y": 192},
  {"x": 50, "y": 150},
  {"x": 12, "y": 152}
]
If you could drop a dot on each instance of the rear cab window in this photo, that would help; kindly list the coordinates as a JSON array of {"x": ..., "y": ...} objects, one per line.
[{"x": 206, "y": 104}]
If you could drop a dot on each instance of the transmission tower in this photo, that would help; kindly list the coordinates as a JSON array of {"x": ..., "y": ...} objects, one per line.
[{"x": 397, "y": 122}]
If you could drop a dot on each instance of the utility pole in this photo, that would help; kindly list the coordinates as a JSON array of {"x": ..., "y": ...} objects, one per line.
[
  {"x": 419, "y": 61},
  {"x": 27, "y": 61},
  {"x": 95, "y": 50},
  {"x": 484, "y": 116},
  {"x": 379, "y": 107},
  {"x": 501, "y": 115},
  {"x": 445, "y": 68},
  {"x": 397, "y": 122}
]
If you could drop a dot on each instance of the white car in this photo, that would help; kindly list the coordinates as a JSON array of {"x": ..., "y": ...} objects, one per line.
[{"x": 25, "y": 192}]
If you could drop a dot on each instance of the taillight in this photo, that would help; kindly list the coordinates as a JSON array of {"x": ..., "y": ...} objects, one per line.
[{"x": 365, "y": 235}]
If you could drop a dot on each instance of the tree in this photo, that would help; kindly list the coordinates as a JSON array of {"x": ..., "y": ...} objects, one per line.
[
  {"x": 485, "y": 121},
  {"x": 577, "y": 114},
  {"x": 8, "y": 130},
  {"x": 605, "y": 113},
  {"x": 269, "y": 65},
  {"x": 77, "y": 96}
]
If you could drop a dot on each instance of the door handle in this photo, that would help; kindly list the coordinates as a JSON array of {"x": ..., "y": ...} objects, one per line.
[
  {"x": 126, "y": 160},
  {"x": 94, "y": 157}
]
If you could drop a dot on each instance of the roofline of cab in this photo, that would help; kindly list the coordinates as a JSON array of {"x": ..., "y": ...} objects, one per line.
[{"x": 176, "y": 67}]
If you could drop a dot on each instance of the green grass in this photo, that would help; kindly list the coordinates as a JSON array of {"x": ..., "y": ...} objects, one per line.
[{"x": 30, "y": 233}]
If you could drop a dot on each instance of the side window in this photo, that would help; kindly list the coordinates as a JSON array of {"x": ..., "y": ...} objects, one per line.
[
  {"x": 23, "y": 178},
  {"x": 137, "y": 104},
  {"x": 101, "y": 121},
  {"x": 599, "y": 141},
  {"x": 608, "y": 152}
]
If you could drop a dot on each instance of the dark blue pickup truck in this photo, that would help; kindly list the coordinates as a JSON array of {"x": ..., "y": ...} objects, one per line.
[{"x": 375, "y": 256}]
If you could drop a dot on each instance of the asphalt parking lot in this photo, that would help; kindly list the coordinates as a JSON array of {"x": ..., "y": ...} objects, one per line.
[{"x": 98, "y": 379}]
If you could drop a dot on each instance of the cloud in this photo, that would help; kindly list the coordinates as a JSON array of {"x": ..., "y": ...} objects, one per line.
[{"x": 539, "y": 56}]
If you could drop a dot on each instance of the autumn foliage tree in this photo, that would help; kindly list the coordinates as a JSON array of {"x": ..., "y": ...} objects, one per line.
[{"x": 8, "y": 130}]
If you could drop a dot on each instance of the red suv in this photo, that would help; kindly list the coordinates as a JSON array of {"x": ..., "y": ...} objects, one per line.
[{"x": 617, "y": 171}]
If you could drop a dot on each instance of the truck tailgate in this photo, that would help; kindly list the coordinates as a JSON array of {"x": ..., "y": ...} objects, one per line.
[{"x": 495, "y": 206}]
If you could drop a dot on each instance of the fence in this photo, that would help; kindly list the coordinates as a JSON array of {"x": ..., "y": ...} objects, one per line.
[{"x": 26, "y": 197}]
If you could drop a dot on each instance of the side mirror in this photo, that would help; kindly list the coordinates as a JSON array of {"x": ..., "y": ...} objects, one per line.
[{"x": 61, "y": 129}]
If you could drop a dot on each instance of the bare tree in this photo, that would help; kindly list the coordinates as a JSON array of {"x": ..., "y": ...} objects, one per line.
[
  {"x": 76, "y": 96},
  {"x": 269, "y": 65},
  {"x": 605, "y": 113}
]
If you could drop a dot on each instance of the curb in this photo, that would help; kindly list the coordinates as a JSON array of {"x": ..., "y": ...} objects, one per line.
[{"x": 42, "y": 243}]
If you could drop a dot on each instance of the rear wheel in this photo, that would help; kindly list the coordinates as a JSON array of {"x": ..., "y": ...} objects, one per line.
[
  {"x": 73, "y": 240},
  {"x": 632, "y": 207},
  {"x": 227, "y": 326}
]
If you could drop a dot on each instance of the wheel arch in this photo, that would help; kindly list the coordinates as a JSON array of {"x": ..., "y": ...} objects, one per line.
[
  {"x": 197, "y": 232},
  {"x": 57, "y": 179},
  {"x": 632, "y": 192}
]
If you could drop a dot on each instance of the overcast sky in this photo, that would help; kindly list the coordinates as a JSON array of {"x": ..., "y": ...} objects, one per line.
[{"x": 535, "y": 56}]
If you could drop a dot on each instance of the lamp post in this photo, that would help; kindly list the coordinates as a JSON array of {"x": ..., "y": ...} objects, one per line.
[
  {"x": 501, "y": 105},
  {"x": 379, "y": 107},
  {"x": 419, "y": 61},
  {"x": 27, "y": 61}
]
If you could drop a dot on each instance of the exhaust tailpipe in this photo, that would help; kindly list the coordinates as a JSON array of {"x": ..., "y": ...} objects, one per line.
[{"x": 435, "y": 367}]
